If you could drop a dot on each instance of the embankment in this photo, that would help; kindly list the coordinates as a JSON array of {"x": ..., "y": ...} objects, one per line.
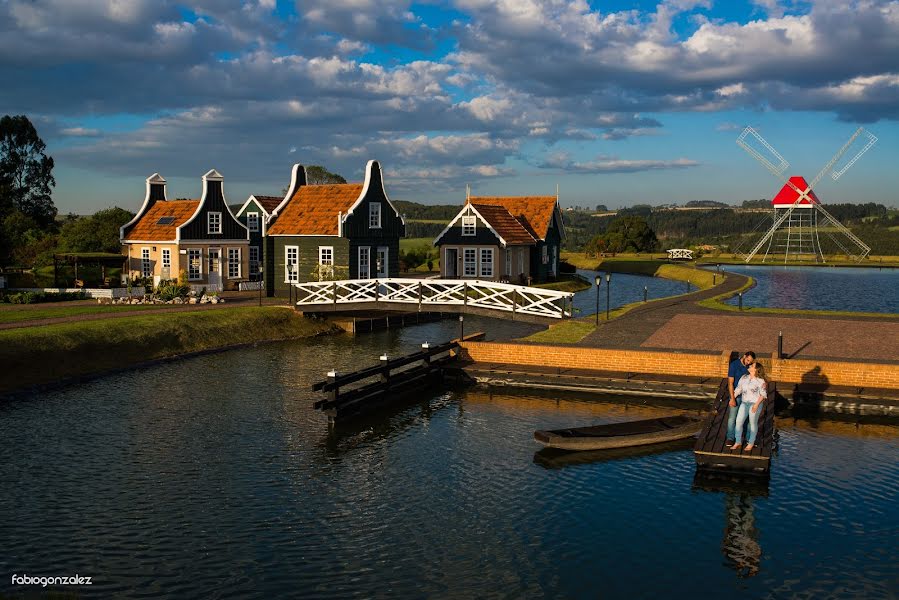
[{"x": 36, "y": 356}]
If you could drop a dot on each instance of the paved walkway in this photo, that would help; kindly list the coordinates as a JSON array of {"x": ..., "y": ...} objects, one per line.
[{"x": 681, "y": 324}]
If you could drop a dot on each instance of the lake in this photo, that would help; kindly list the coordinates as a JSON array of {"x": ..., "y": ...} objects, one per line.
[
  {"x": 213, "y": 477},
  {"x": 856, "y": 289}
]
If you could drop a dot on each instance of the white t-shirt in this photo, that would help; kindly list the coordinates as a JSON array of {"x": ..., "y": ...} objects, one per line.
[{"x": 753, "y": 389}]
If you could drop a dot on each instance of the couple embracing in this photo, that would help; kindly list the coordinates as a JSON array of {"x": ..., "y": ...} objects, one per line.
[{"x": 748, "y": 390}]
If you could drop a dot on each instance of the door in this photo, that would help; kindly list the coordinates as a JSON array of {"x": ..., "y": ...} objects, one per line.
[
  {"x": 383, "y": 270},
  {"x": 215, "y": 270},
  {"x": 364, "y": 262},
  {"x": 452, "y": 256}
]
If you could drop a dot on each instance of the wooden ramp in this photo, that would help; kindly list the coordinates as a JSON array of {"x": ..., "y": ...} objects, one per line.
[{"x": 712, "y": 454}]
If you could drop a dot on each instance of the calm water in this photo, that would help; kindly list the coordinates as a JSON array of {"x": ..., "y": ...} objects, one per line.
[
  {"x": 859, "y": 289},
  {"x": 203, "y": 478},
  {"x": 624, "y": 290}
]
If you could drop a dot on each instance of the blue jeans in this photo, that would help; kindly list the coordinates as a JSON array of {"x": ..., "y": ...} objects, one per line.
[
  {"x": 732, "y": 418},
  {"x": 745, "y": 411}
]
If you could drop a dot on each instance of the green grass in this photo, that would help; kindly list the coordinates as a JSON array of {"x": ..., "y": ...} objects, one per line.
[
  {"x": 572, "y": 331},
  {"x": 40, "y": 355},
  {"x": 410, "y": 243},
  {"x": 16, "y": 313},
  {"x": 565, "y": 283}
]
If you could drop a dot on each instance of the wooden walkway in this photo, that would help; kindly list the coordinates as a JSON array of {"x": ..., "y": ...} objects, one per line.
[{"x": 712, "y": 454}]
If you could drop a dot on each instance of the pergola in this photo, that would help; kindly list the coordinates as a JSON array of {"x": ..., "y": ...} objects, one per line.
[
  {"x": 680, "y": 254},
  {"x": 103, "y": 259}
]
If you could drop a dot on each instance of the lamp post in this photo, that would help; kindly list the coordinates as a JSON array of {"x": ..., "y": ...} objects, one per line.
[
  {"x": 608, "y": 292},
  {"x": 290, "y": 268},
  {"x": 461, "y": 327},
  {"x": 260, "y": 284},
  {"x": 597, "y": 280}
]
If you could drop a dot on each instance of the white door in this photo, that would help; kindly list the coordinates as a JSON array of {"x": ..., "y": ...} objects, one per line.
[
  {"x": 382, "y": 262},
  {"x": 215, "y": 270}
]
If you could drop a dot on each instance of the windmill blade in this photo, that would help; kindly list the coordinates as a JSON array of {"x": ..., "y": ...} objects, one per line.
[
  {"x": 872, "y": 139},
  {"x": 839, "y": 154},
  {"x": 782, "y": 165},
  {"x": 845, "y": 231},
  {"x": 771, "y": 231}
]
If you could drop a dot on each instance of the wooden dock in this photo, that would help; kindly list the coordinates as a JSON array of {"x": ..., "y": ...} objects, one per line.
[
  {"x": 712, "y": 454},
  {"x": 393, "y": 380}
]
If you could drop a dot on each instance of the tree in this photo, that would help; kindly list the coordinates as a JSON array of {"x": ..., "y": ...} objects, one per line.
[
  {"x": 26, "y": 173},
  {"x": 602, "y": 208},
  {"x": 630, "y": 234},
  {"x": 97, "y": 233},
  {"x": 316, "y": 174}
]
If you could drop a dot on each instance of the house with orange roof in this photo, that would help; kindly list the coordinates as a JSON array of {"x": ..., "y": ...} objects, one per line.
[
  {"x": 503, "y": 238},
  {"x": 255, "y": 214},
  {"x": 201, "y": 237},
  {"x": 332, "y": 231}
]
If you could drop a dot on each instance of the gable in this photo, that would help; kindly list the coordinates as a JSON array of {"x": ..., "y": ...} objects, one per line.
[
  {"x": 484, "y": 232},
  {"x": 533, "y": 212}
]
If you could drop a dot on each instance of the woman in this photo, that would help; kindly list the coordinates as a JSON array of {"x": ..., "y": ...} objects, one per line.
[{"x": 754, "y": 392}]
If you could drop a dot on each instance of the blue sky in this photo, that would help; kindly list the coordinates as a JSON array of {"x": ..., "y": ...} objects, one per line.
[{"x": 615, "y": 102}]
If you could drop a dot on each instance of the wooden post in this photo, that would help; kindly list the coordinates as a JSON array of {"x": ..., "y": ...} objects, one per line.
[
  {"x": 334, "y": 291},
  {"x": 562, "y": 309},
  {"x": 335, "y": 392},
  {"x": 385, "y": 372},
  {"x": 377, "y": 288},
  {"x": 465, "y": 294},
  {"x": 514, "y": 301},
  {"x": 419, "y": 296}
]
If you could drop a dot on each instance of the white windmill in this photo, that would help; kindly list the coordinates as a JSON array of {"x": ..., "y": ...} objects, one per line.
[{"x": 799, "y": 217}]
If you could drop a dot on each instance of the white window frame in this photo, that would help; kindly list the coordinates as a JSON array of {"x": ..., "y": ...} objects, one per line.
[
  {"x": 364, "y": 267},
  {"x": 213, "y": 225},
  {"x": 232, "y": 254},
  {"x": 295, "y": 277},
  {"x": 473, "y": 262},
  {"x": 385, "y": 272},
  {"x": 194, "y": 253},
  {"x": 325, "y": 259},
  {"x": 253, "y": 222},
  {"x": 146, "y": 263},
  {"x": 482, "y": 272},
  {"x": 469, "y": 225},
  {"x": 166, "y": 258},
  {"x": 374, "y": 215},
  {"x": 508, "y": 262}
]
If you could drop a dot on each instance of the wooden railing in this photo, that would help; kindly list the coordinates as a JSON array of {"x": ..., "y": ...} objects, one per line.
[{"x": 434, "y": 293}]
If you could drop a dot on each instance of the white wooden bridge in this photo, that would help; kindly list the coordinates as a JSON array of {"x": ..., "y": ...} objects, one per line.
[{"x": 488, "y": 298}]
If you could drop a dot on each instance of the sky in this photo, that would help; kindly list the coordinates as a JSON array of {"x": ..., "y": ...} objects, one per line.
[{"x": 611, "y": 102}]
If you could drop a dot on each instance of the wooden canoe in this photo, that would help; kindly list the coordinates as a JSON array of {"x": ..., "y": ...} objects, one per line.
[{"x": 621, "y": 435}]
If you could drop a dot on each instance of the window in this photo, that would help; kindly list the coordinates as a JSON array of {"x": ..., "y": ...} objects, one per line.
[
  {"x": 146, "y": 267},
  {"x": 508, "y": 261},
  {"x": 521, "y": 254},
  {"x": 254, "y": 258},
  {"x": 233, "y": 263},
  {"x": 325, "y": 261},
  {"x": 468, "y": 225},
  {"x": 165, "y": 220},
  {"x": 486, "y": 262},
  {"x": 374, "y": 215},
  {"x": 364, "y": 262},
  {"x": 470, "y": 262},
  {"x": 382, "y": 262},
  {"x": 166, "y": 262},
  {"x": 291, "y": 264},
  {"x": 253, "y": 222},
  {"x": 213, "y": 222},
  {"x": 545, "y": 255},
  {"x": 194, "y": 264}
]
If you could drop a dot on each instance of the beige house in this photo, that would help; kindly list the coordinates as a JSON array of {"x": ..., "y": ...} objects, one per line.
[{"x": 201, "y": 237}]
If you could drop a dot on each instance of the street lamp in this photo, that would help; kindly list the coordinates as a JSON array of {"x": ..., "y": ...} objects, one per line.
[
  {"x": 608, "y": 292},
  {"x": 260, "y": 283},
  {"x": 597, "y": 280},
  {"x": 290, "y": 268},
  {"x": 461, "y": 327}
]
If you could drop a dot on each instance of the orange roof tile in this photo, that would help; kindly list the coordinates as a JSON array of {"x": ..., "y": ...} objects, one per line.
[
  {"x": 313, "y": 209},
  {"x": 269, "y": 203},
  {"x": 507, "y": 226},
  {"x": 535, "y": 213},
  {"x": 148, "y": 227}
]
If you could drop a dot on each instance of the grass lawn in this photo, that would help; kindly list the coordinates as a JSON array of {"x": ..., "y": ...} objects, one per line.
[
  {"x": 565, "y": 283},
  {"x": 410, "y": 243},
  {"x": 16, "y": 313},
  {"x": 39, "y": 355}
]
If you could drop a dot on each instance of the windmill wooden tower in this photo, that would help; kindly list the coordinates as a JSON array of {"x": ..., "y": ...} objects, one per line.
[{"x": 799, "y": 219}]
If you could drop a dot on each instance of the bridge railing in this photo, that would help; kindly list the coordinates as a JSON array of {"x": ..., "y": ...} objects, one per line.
[{"x": 438, "y": 292}]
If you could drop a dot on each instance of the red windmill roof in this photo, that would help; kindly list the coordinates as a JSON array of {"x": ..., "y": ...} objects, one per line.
[{"x": 787, "y": 195}]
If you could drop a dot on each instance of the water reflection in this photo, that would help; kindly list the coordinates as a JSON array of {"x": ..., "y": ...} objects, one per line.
[{"x": 740, "y": 545}]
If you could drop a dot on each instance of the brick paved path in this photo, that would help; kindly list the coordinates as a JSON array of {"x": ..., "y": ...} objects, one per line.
[{"x": 679, "y": 323}]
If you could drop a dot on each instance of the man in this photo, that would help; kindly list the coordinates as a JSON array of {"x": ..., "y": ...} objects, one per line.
[{"x": 735, "y": 371}]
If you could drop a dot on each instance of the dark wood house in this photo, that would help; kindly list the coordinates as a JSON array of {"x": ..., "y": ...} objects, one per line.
[
  {"x": 509, "y": 238},
  {"x": 255, "y": 214},
  {"x": 334, "y": 231}
]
